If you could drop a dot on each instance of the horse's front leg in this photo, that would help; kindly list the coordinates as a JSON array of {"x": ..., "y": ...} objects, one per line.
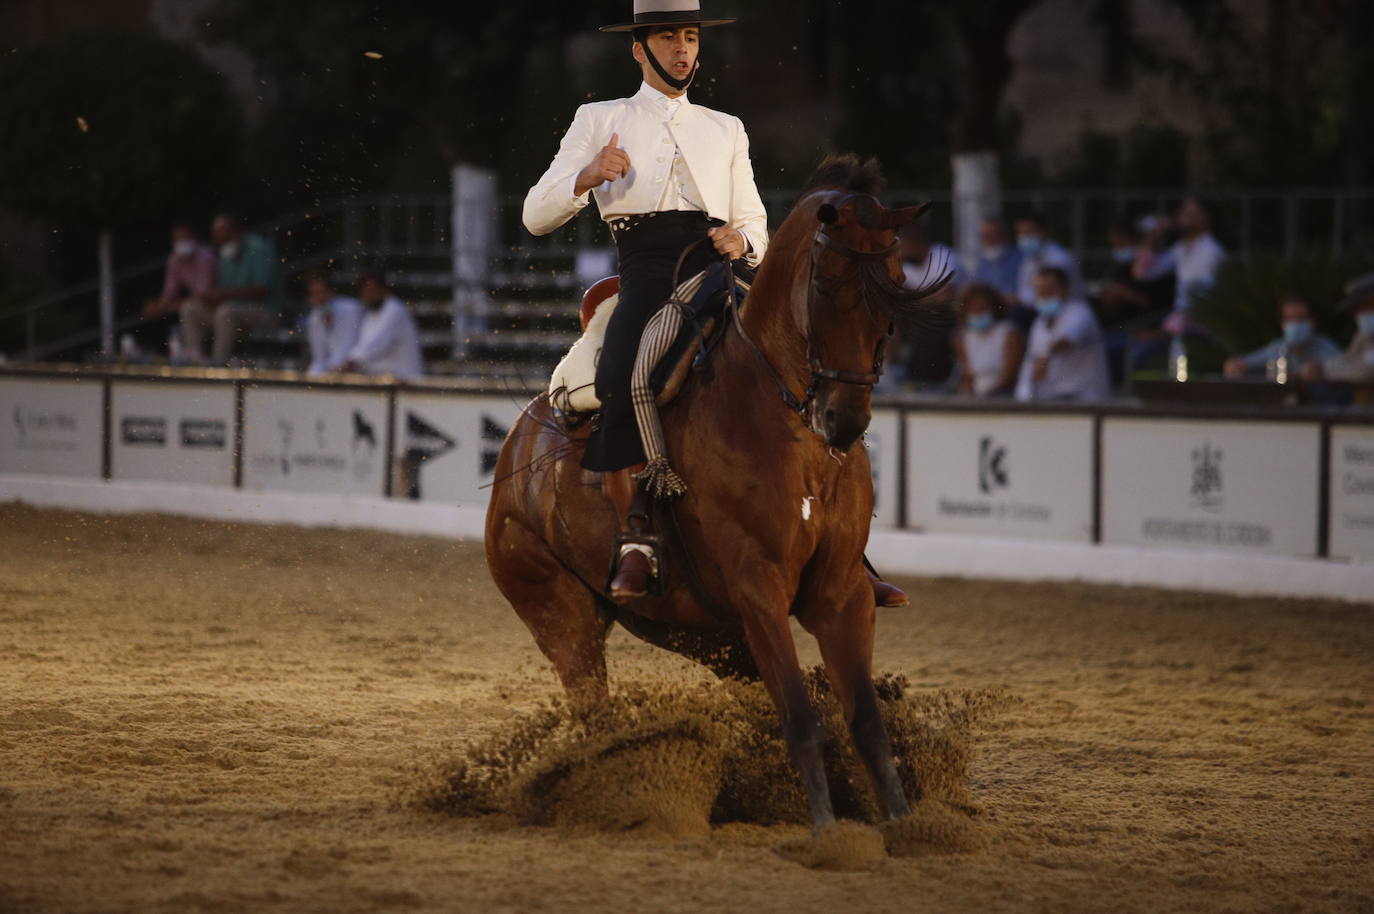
[
  {"x": 842, "y": 623},
  {"x": 765, "y": 614}
]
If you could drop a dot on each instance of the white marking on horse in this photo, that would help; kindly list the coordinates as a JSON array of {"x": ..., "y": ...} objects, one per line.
[{"x": 806, "y": 506}]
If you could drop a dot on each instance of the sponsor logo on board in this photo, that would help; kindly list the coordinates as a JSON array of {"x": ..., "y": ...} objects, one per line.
[
  {"x": 143, "y": 431},
  {"x": 992, "y": 465},
  {"x": 1206, "y": 488},
  {"x": 38, "y": 429},
  {"x": 995, "y": 499},
  {"x": 204, "y": 434}
]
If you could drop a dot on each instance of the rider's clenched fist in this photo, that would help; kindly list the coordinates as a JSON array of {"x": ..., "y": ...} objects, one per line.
[{"x": 610, "y": 163}]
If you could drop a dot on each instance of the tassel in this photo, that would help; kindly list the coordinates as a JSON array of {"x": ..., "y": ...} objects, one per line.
[{"x": 661, "y": 481}]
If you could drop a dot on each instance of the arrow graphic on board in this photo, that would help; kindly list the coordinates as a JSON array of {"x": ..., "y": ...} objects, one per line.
[
  {"x": 424, "y": 440},
  {"x": 493, "y": 436}
]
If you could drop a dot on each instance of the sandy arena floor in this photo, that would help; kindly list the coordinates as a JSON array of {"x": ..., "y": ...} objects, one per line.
[{"x": 202, "y": 717}]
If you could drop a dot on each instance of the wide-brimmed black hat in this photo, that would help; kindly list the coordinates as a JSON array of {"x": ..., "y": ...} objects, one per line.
[{"x": 649, "y": 13}]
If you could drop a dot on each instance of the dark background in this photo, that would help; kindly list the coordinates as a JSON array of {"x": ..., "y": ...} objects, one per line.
[{"x": 268, "y": 107}]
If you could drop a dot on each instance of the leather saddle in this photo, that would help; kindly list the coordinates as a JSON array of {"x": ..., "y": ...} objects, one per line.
[{"x": 703, "y": 313}]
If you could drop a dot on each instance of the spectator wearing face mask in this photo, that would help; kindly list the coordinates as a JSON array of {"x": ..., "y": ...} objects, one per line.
[
  {"x": 389, "y": 341},
  {"x": 332, "y": 326},
  {"x": 1039, "y": 252},
  {"x": 189, "y": 275},
  {"x": 1193, "y": 262},
  {"x": 999, "y": 261},
  {"x": 247, "y": 295},
  {"x": 1125, "y": 299},
  {"x": 1065, "y": 358},
  {"x": 1299, "y": 347},
  {"x": 1129, "y": 308},
  {"x": 989, "y": 347},
  {"x": 1356, "y": 364}
]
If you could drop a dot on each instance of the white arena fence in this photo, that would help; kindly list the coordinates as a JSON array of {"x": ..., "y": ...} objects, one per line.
[{"x": 1244, "y": 500}]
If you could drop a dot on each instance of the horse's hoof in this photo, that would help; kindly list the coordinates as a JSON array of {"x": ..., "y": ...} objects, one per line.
[
  {"x": 843, "y": 846},
  {"x": 632, "y": 578}
]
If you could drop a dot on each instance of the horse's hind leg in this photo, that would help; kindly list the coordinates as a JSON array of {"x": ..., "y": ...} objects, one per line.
[
  {"x": 559, "y": 610},
  {"x": 846, "y": 642}
]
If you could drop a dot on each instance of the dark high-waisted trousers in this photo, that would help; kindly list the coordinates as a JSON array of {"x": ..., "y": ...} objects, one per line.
[{"x": 649, "y": 246}]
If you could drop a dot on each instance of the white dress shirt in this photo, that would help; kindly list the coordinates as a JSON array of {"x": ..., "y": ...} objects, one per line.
[
  {"x": 1077, "y": 373},
  {"x": 682, "y": 156},
  {"x": 985, "y": 352},
  {"x": 389, "y": 342},
  {"x": 332, "y": 330},
  {"x": 1194, "y": 263}
]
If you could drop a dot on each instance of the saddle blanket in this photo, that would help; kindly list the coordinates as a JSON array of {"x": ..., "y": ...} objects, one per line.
[{"x": 572, "y": 389}]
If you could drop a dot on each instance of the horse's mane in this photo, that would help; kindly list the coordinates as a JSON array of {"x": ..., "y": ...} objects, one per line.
[{"x": 847, "y": 172}]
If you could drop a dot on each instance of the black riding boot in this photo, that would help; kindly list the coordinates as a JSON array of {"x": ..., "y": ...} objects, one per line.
[{"x": 635, "y": 566}]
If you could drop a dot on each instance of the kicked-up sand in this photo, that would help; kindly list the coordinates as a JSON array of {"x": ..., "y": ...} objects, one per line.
[{"x": 197, "y": 716}]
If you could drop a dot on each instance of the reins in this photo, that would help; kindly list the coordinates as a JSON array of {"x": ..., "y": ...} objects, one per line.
[{"x": 789, "y": 398}]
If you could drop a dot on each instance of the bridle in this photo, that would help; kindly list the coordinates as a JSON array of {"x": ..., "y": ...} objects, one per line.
[{"x": 819, "y": 372}]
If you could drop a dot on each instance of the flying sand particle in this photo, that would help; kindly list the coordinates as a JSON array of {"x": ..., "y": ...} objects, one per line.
[
  {"x": 372, "y": 55},
  {"x": 82, "y": 125}
]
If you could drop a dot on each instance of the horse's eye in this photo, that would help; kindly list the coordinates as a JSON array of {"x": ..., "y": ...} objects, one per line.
[{"x": 828, "y": 214}]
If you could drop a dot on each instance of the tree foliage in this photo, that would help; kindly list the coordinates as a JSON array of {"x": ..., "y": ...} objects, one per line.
[
  {"x": 107, "y": 129},
  {"x": 1290, "y": 93},
  {"x": 365, "y": 91}
]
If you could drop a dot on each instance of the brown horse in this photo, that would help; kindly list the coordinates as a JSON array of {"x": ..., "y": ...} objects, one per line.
[{"x": 779, "y": 499}]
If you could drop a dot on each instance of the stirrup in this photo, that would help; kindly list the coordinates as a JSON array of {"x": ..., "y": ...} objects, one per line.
[{"x": 640, "y": 541}]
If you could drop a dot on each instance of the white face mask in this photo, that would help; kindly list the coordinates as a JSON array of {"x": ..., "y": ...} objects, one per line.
[
  {"x": 229, "y": 250},
  {"x": 185, "y": 247}
]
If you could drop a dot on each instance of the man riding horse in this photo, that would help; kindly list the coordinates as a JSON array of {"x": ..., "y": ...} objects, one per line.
[{"x": 665, "y": 174}]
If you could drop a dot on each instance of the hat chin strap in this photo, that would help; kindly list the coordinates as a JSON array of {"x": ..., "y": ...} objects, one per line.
[{"x": 642, "y": 36}]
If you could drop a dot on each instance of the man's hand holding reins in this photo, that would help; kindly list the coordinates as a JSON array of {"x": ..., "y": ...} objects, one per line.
[
  {"x": 610, "y": 163},
  {"x": 728, "y": 240}
]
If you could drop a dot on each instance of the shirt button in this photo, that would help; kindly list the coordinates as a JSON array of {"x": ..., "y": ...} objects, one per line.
[{"x": 666, "y": 141}]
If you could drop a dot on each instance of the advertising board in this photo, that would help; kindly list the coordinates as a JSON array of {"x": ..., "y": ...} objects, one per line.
[
  {"x": 52, "y": 427},
  {"x": 311, "y": 440},
  {"x": 883, "y": 440},
  {"x": 1351, "y": 514},
  {"x": 447, "y": 445},
  {"x": 169, "y": 431},
  {"x": 1209, "y": 484},
  {"x": 1000, "y": 475}
]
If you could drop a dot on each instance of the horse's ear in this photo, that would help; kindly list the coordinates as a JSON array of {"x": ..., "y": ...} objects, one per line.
[
  {"x": 828, "y": 214},
  {"x": 896, "y": 218}
]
